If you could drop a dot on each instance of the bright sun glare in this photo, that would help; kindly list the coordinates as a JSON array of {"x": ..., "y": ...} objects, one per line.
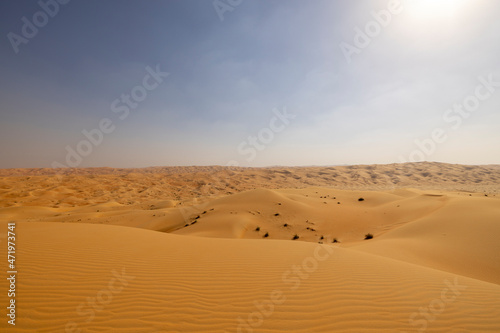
[{"x": 428, "y": 9}]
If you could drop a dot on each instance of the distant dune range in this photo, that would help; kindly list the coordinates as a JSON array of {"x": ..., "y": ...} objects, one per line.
[
  {"x": 210, "y": 248},
  {"x": 48, "y": 186}
]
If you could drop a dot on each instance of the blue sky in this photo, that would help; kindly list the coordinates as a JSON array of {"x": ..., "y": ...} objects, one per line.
[{"x": 227, "y": 80}]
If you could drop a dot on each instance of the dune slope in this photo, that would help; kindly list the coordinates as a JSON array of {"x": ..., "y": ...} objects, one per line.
[
  {"x": 111, "y": 278},
  {"x": 461, "y": 237}
]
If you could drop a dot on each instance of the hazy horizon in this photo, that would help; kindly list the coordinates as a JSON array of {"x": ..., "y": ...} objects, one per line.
[
  {"x": 249, "y": 83},
  {"x": 258, "y": 167}
]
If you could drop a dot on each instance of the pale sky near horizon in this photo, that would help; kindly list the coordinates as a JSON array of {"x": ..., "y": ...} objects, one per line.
[{"x": 273, "y": 83}]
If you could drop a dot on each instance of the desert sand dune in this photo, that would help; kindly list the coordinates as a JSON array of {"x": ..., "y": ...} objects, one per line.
[
  {"x": 145, "y": 281},
  {"x": 80, "y": 187},
  {"x": 175, "y": 283},
  {"x": 459, "y": 238},
  {"x": 214, "y": 249},
  {"x": 311, "y": 213}
]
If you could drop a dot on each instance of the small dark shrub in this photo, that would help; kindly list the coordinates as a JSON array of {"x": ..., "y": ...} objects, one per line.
[
  {"x": 285, "y": 225},
  {"x": 257, "y": 229},
  {"x": 266, "y": 235},
  {"x": 277, "y": 214},
  {"x": 368, "y": 236},
  {"x": 295, "y": 237},
  {"x": 335, "y": 240},
  {"x": 361, "y": 199}
]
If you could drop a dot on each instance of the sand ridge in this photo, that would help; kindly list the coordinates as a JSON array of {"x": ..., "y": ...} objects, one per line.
[
  {"x": 195, "y": 284},
  {"x": 82, "y": 186}
]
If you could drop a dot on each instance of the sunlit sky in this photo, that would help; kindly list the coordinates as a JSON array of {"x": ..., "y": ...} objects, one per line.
[{"x": 250, "y": 83}]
